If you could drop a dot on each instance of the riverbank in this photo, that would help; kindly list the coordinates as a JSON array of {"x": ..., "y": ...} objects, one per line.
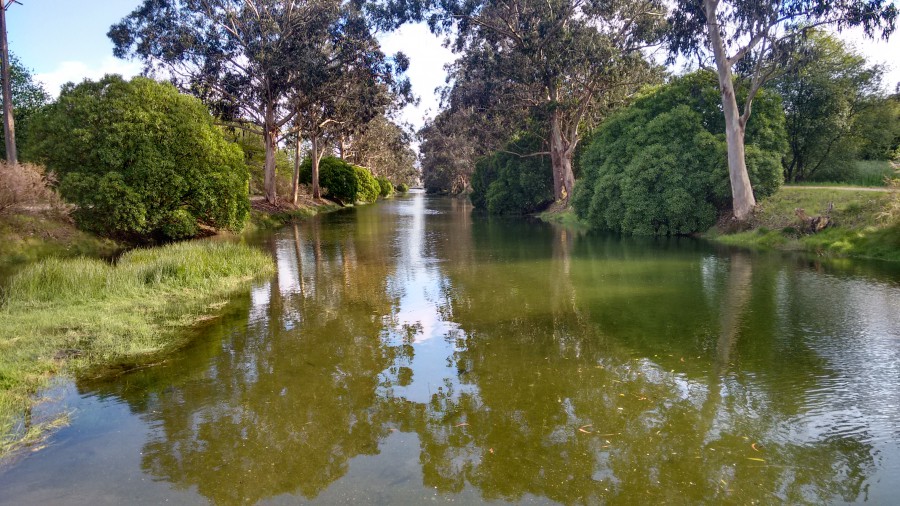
[
  {"x": 862, "y": 224},
  {"x": 27, "y": 237},
  {"x": 865, "y": 223},
  {"x": 80, "y": 315}
]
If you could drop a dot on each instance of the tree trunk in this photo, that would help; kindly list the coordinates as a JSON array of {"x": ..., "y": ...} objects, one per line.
[
  {"x": 742, "y": 198},
  {"x": 295, "y": 182},
  {"x": 9, "y": 127},
  {"x": 316, "y": 193},
  {"x": 561, "y": 161},
  {"x": 269, "y": 138}
]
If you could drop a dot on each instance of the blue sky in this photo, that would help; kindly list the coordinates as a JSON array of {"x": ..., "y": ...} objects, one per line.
[{"x": 65, "y": 40}]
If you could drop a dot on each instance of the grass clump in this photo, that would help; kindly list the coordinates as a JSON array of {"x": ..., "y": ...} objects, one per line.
[{"x": 78, "y": 315}]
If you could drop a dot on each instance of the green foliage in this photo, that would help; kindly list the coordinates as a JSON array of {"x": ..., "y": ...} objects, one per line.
[
  {"x": 511, "y": 181},
  {"x": 336, "y": 176},
  {"x": 386, "y": 189},
  {"x": 878, "y": 128},
  {"x": 402, "y": 188},
  {"x": 28, "y": 97},
  {"x": 141, "y": 160},
  {"x": 369, "y": 189},
  {"x": 833, "y": 111},
  {"x": 659, "y": 166}
]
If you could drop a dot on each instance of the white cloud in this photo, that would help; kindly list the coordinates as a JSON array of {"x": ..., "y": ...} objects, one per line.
[
  {"x": 427, "y": 58},
  {"x": 77, "y": 71}
]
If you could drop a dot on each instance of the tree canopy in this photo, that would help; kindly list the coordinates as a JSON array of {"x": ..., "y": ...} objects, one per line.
[{"x": 755, "y": 40}]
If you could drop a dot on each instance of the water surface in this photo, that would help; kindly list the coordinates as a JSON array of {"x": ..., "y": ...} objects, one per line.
[{"x": 409, "y": 351}]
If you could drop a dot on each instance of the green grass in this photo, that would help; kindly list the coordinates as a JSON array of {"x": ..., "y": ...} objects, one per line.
[
  {"x": 262, "y": 220},
  {"x": 862, "y": 227},
  {"x": 26, "y": 238},
  {"x": 82, "y": 315},
  {"x": 566, "y": 218}
]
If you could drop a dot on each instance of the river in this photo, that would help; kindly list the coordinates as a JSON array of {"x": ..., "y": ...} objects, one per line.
[{"x": 410, "y": 351}]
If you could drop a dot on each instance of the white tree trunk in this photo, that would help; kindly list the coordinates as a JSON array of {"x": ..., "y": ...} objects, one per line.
[
  {"x": 295, "y": 182},
  {"x": 269, "y": 138},
  {"x": 561, "y": 161},
  {"x": 742, "y": 197},
  {"x": 316, "y": 192}
]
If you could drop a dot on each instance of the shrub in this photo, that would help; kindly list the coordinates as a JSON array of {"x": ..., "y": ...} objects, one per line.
[
  {"x": 25, "y": 185},
  {"x": 659, "y": 167},
  {"x": 507, "y": 183},
  {"x": 386, "y": 188},
  {"x": 368, "y": 186},
  {"x": 402, "y": 188},
  {"x": 141, "y": 160}
]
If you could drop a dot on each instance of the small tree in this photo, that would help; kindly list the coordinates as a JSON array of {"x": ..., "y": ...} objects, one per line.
[
  {"x": 754, "y": 39},
  {"x": 141, "y": 160},
  {"x": 28, "y": 97},
  {"x": 824, "y": 95}
]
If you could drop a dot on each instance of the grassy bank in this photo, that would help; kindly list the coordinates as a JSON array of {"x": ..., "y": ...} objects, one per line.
[
  {"x": 77, "y": 315},
  {"x": 28, "y": 237},
  {"x": 863, "y": 225},
  {"x": 264, "y": 216}
]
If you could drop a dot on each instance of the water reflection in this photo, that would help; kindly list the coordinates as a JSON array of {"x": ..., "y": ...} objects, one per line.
[{"x": 412, "y": 347}]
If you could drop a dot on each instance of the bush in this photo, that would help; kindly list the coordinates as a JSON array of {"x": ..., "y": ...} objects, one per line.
[
  {"x": 368, "y": 186},
  {"x": 402, "y": 188},
  {"x": 659, "y": 167},
  {"x": 25, "y": 185},
  {"x": 506, "y": 183},
  {"x": 140, "y": 160},
  {"x": 387, "y": 189}
]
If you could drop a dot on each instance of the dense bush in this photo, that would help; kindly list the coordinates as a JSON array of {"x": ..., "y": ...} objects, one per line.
[
  {"x": 659, "y": 166},
  {"x": 402, "y": 188},
  {"x": 386, "y": 188},
  {"x": 140, "y": 160},
  {"x": 510, "y": 183},
  {"x": 336, "y": 178},
  {"x": 369, "y": 189},
  {"x": 342, "y": 181}
]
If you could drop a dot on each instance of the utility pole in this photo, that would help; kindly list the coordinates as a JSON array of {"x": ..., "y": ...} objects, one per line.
[{"x": 9, "y": 127}]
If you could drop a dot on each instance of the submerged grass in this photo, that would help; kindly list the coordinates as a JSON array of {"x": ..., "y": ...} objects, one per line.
[{"x": 79, "y": 315}]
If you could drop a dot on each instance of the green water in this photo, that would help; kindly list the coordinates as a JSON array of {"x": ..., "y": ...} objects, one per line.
[{"x": 410, "y": 352}]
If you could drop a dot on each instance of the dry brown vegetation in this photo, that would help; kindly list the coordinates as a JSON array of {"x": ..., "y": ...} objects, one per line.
[{"x": 26, "y": 187}]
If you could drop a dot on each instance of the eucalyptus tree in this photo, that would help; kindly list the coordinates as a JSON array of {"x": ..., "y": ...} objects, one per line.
[
  {"x": 754, "y": 39},
  {"x": 244, "y": 58},
  {"x": 383, "y": 147},
  {"x": 356, "y": 83},
  {"x": 565, "y": 61}
]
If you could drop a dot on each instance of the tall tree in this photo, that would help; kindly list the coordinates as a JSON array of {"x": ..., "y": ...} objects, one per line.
[
  {"x": 565, "y": 61},
  {"x": 243, "y": 57},
  {"x": 357, "y": 83},
  {"x": 754, "y": 39}
]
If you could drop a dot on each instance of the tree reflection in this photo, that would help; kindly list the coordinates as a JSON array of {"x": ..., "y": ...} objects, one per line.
[{"x": 583, "y": 370}]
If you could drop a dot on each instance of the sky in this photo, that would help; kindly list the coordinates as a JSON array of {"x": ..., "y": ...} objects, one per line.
[{"x": 64, "y": 40}]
